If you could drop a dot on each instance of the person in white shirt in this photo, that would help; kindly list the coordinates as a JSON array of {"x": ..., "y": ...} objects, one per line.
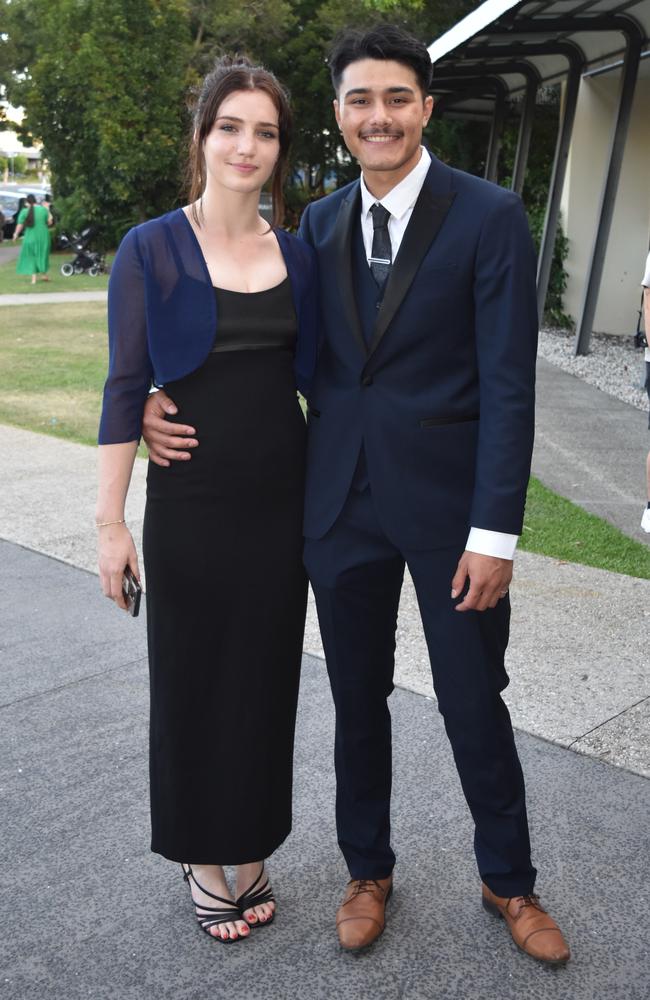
[{"x": 645, "y": 520}]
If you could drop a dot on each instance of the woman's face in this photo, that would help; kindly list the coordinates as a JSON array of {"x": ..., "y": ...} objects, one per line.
[{"x": 243, "y": 144}]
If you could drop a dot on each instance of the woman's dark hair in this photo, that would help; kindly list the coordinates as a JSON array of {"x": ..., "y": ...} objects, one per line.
[
  {"x": 383, "y": 41},
  {"x": 29, "y": 218},
  {"x": 228, "y": 76}
]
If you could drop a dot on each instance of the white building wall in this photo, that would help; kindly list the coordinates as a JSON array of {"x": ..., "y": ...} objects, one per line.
[{"x": 620, "y": 291}]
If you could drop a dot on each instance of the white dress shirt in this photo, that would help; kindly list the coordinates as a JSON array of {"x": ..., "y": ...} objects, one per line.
[
  {"x": 645, "y": 282},
  {"x": 400, "y": 201}
]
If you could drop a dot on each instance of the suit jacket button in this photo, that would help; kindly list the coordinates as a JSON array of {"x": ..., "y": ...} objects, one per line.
[{"x": 366, "y": 380}]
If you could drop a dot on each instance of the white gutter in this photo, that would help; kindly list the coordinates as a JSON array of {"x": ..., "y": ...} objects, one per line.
[{"x": 472, "y": 24}]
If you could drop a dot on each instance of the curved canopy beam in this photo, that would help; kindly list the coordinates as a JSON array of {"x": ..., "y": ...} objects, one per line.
[{"x": 518, "y": 37}]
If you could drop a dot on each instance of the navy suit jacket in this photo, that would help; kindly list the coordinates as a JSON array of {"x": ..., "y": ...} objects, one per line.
[{"x": 442, "y": 399}]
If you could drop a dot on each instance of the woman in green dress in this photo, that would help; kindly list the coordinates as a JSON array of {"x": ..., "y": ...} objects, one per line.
[{"x": 33, "y": 221}]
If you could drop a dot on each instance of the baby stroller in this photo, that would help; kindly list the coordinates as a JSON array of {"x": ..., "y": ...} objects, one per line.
[{"x": 86, "y": 261}]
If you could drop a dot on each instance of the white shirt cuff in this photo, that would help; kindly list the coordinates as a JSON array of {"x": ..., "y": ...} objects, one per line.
[{"x": 492, "y": 543}]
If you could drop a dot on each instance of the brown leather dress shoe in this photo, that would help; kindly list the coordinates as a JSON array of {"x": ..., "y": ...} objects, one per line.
[
  {"x": 532, "y": 929},
  {"x": 361, "y": 917}
]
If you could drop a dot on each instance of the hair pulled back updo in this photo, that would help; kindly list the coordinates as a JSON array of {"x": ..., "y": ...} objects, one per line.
[
  {"x": 232, "y": 74},
  {"x": 29, "y": 218}
]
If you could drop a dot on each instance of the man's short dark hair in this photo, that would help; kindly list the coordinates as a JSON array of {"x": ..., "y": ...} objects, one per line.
[{"x": 383, "y": 41}]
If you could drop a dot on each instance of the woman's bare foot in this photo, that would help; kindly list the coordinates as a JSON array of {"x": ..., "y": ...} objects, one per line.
[
  {"x": 33, "y": 279},
  {"x": 212, "y": 878},
  {"x": 246, "y": 876}
]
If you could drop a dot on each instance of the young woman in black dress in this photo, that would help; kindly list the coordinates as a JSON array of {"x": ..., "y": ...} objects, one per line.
[{"x": 220, "y": 308}]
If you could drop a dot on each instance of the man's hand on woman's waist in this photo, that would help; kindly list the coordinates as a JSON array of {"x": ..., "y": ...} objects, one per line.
[{"x": 165, "y": 446}]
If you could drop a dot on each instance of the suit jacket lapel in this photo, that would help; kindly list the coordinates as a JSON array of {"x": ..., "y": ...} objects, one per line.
[
  {"x": 428, "y": 215},
  {"x": 343, "y": 230}
]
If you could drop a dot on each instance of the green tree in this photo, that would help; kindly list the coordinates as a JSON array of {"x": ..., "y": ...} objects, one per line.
[
  {"x": 102, "y": 85},
  {"x": 104, "y": 89},
  {"x": 319, "y": 153},
  {"x": 257, "y": 28},
  {"x": 20, "y": 164},
  {"x": 292, "y": 38}
]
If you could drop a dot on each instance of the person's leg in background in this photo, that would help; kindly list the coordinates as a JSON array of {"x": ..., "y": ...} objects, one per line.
[{"x": 645, "y": 520}]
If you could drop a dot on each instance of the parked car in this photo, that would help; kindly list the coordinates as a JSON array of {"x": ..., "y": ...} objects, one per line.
[
  {"x": 11, "y": 202},
  {"x": 39, "y": 193},
  {"x": 10, "y": 206}
]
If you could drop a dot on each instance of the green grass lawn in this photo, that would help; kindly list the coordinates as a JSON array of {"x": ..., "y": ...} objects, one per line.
[
  {"x": 15, "y": 284},
  {"x": 553, "y": 526},
  {"x": 52, "y": 368}
]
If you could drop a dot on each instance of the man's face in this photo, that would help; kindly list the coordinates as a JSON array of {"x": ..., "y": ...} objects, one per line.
[{"x": 381, "y": 112}]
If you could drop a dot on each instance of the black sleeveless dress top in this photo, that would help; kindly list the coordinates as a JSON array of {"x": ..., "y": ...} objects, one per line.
[{"x": 255, "y": 321}]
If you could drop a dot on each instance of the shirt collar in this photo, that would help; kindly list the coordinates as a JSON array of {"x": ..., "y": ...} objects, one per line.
[{"x": 404, "y": 195}]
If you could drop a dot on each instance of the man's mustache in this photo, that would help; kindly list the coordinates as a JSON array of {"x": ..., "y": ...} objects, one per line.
[{"x": 381, "y": 131}]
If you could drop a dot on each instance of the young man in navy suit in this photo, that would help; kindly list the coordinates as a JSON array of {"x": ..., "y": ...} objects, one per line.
[{"x": 421, "y": 432}]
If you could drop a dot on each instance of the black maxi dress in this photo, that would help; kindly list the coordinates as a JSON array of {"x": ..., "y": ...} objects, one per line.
[{"x": 227, "y": 594}]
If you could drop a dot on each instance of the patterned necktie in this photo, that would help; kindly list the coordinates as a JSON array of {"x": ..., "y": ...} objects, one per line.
[{"x": 381, "y": 254}]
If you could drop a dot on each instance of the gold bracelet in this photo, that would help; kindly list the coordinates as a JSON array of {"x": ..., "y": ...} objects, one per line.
[{"x": 104, "y": 524}]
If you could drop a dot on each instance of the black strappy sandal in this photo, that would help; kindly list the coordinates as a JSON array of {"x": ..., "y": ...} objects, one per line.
[
  {"x": 255, "y": 897},
  {"x": 211, "y": 916}
]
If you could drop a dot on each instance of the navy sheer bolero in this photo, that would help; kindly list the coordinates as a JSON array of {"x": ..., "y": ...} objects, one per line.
[{"x": 162, "y": 316}]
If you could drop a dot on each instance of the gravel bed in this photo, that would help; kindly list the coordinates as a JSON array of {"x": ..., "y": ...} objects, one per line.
[{"x": 613, "y": 364}]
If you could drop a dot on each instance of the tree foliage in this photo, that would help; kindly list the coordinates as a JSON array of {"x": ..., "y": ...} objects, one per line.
[{"x": 103, "y": 87}]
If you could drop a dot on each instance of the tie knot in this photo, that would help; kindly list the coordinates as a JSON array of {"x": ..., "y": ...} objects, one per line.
[{"x": 380, "y": 216}]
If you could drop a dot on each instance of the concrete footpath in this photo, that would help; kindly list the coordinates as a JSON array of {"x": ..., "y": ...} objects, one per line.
[
  {"x": 43, "y": 298},
  {"x": 591, "y": 448},
  {"x": 8, "y": 251},
  {"x": 90, "y": 912}
]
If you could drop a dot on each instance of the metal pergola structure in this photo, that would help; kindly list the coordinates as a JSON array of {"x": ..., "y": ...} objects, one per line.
[{"x": 503, "y": 49}]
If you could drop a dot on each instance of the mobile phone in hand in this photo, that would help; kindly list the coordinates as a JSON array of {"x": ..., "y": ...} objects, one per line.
[{"x": 132, "y": 592}]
